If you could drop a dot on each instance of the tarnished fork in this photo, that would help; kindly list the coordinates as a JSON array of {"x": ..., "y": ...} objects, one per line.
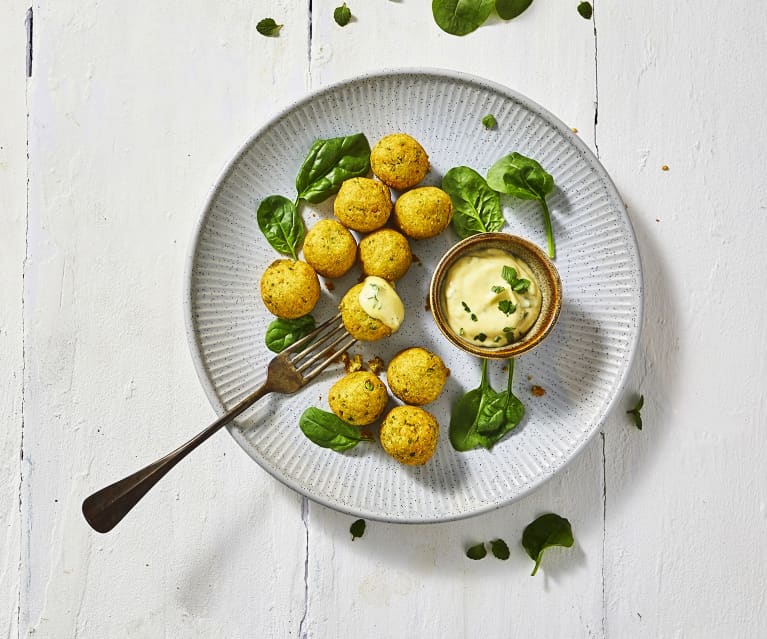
[{"x": 291, "y": 370}]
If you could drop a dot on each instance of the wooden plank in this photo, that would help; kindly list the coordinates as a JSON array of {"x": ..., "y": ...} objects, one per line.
[
  {"x": 686, "y": 495},
  {"x": 134, "y": 113},
  {"x": 401, "y": 580},
  {"x": 13, "y": 213}
]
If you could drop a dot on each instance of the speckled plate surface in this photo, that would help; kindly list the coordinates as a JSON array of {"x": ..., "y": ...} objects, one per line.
[{"x": 582, "y": 365}]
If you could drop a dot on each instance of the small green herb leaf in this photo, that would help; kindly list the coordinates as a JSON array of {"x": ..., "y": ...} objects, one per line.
[
  {"x": 509, "y": 9},
  {"x": 546, "y": 531},
  {"x": 357, "y": 529},
  {"x": 507, "y": 307},
  {"x": 478, "y": 551},
  {"x": 477, "y": 207},
  {"x": 268, "y": 27},
  {"x": 342, "y": 15},
  {"x": 329, "y": 163},
  {"x": 489, "y": 121},
  {"x": 497, "y": 289},
  {"x": 480, "y": 337},
  {"x": 368, "y": 385},
  {"x": 524, "y": 178},
  {"x": 500, "y": 549},
  {"x": 586, "y": 10},
  {"x": 459, "y": 17},
  {"x": 281, "y": 333},
  {"x": 521, "y": 285},
  {"x": 328, "y": 431},
  {"x": 281, "y": 224},
  {"x": 635, "y": 413}
]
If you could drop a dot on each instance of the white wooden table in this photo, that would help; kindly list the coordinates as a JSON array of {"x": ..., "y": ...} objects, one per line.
[{"x": 107, "y": 151}]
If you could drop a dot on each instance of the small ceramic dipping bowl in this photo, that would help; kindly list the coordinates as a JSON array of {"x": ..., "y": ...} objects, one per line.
[{"x": 540, "y": 266}]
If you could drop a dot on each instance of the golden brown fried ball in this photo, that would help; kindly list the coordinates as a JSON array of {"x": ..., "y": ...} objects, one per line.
[
  {"x": 410, "y": 435},
  {"x": 386, "y": 254},
  {"x": 357, "y": 321},
  {"x": 399, "y": 161},
  {"x": 423, "y": 212},
  {"x": 416, "y": 376},
  {"x": 363, "y": 204},
  {"x": 290, "y": 288},
  {"x": 330, "y": 249},
  {"x": 358, "y": 398}
]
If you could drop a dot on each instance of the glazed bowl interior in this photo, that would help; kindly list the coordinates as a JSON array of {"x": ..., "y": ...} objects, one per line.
[{"x": 541, "y": 267}]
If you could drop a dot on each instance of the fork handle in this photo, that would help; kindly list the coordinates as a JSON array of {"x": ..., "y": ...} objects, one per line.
[{"x": 105, "y": 508}]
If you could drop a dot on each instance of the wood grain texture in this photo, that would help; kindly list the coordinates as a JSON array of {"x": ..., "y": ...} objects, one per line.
[
  {"x": 687, "y": 496},
  {"x": 13, "y": 213},
  {"x": 132, "y": 114}
]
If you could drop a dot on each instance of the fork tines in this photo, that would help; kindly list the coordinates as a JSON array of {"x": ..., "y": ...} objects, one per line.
[{"x": 305, "y": 357}]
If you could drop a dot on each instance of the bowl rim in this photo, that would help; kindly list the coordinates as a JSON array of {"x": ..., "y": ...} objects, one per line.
[{"x": 550, "y": 307}]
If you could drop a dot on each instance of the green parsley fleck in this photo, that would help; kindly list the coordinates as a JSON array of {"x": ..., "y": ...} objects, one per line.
[
  {"x": 586, "y": 10},
  {"x": 268, "y": 27},
  {"x": 497, "y": 289},
  {"x": 368, "y": 385},
  {"x": 476, "y": 552},
  {"x": 480, "y": 337},
  {"x": 635, "y": 413},
  {"x": 342, "y": 15},
  {"x": 500, "y": 549},
  {"x": 357, "y": 529},
  {"x": 489, "y": 121},
  {"x": 507, "y": 307}
]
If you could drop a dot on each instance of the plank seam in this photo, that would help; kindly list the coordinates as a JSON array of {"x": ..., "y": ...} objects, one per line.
[{"x": 302, "y": 632}]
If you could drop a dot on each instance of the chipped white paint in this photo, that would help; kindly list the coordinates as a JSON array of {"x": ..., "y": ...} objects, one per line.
[{"x": 132, "y": 113}]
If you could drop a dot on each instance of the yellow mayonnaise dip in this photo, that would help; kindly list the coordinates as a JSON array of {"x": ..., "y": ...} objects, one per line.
[{"x": 491, "y": 298}]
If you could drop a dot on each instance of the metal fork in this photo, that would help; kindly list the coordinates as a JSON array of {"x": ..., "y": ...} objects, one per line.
[{"x": 291, "y": 370}]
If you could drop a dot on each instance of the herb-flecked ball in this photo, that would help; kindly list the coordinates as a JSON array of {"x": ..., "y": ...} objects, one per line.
[
  {"x": 423, "y": 212},
  {"x": 399, "y": 161},
  {"x": 363, "y": 204},
  {"x": 330, "y": 249},
  {"x": 410, "y": 435},
  {"x": 385, "y": 253},
  {"x": 358, "y": 398},
  {"x": 290, "y": 288},
  {"x": 359, "y": 324},
  {"x": 416, "y": 376}
]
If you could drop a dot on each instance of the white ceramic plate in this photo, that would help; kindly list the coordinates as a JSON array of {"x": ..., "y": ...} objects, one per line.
[{"x": 582, "y": 366}]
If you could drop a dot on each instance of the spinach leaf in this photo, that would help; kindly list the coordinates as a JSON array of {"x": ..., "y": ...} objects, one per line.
[
  {"x": 329, "y": 163},
  {"x": 476, "y": 207},
  {"x": 636, "y": 414},
  {"x": 281, "y": 333},
  {"x": 328, "y": 431},
  {"x": 357, "y": 529},
  {"x": 281, "y": 224},
  {"x": 459, "y": 17},
  {"x": 268, "y": 27},
  {"x": 546, "y": 531},
  {"x": 500, "y": 549},
  {"x": 483, "y": 416},
  {"x": 476, "y": 552},
  {"x": 342, "y": 15},
  {"x": 524, "y": 178},
  {"x": 509, "y": 9},
  {"x": 586, "y": 10}
]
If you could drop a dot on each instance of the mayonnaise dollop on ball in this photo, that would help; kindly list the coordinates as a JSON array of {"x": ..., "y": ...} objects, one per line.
[{"x": 379, "y": 300}]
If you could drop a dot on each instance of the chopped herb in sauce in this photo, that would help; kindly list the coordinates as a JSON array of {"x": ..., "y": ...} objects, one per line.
[{"x": 507, "y": 307}]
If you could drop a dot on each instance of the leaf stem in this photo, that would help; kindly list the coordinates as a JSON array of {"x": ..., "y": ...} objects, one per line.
[
  {"x": 511, "y": 375},
  {"x": 549, "y": 231}
]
